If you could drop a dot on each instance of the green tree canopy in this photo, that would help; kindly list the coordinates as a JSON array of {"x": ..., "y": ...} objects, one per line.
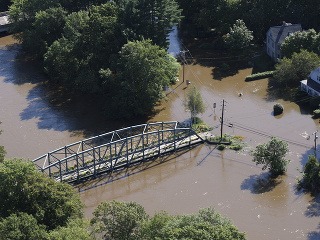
[
  {"x": 204, "y": 225},
  {"x": 271, "y": 156},
  {"x": 143, "y": 69},
  {"x": 76, "y": 229},
  {"x": 91, "y": 39},
  {"x": 194, "y": 102},
  {"x": 21, "y": 226},
  {"x": 311, "y": 175},
  {"x": 24, "y": 189},
  {"x": 25, "y": 14},
  {"x": 308, "y": 40},
  {"x": 290, "y": 71},
  {"x": 118, "y": 220},
  {"x": 239, "y": 36}
]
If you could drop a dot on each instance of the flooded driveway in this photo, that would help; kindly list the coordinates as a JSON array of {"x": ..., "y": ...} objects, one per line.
[{"x": 36, "y": 120}]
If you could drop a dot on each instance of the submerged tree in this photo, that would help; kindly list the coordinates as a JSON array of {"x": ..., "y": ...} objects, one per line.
[
  {"x": 311, "y": 175},
  {"x": 271, "y": 156},
  {"x": 194, "y": 103},
  {"x": 143, "y": 70}
]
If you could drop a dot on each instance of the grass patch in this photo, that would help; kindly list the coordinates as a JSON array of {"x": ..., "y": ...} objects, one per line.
[
  {"x": 236, "y": 142},
  {"x": 199, "y": 125}
]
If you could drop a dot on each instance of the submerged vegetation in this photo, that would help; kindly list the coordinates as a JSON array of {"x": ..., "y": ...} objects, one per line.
[
  {"x": 310, "y": 180},
  {"x": 228, "y": 141}
]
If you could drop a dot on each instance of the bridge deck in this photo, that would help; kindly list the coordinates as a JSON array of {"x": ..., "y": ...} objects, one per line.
[
  {"x": 135, "y": 158},
  {"x": 116, "y": 150}
]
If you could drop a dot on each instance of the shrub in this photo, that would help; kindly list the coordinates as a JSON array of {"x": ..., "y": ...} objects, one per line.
[
  {"x": 311, "y": 175},
  {"x": 316, "y": 113},
  {"x": 221, "y": 147},
  {"x": 261, "y": 75},
  {"x": 277, "y": 109}
]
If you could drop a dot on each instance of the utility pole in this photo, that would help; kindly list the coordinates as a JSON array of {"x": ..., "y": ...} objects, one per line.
[
  {"x": 315, "y": 143},
  {"x": 222, "y": 119},
  {"x": 183, "y": 57}
]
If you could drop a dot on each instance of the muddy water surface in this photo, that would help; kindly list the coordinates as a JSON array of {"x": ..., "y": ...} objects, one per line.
[{"x": 35, "y": 122}]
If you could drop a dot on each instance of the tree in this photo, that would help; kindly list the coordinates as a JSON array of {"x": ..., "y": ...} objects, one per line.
[
  {"x": 24, "y": 189},
  {"x": 311, "y": 175},
  {"x": 271, "y": 155},
  {"x": 152, "y": 19},
  {"x": 21, "y": 226},
  {"x": 290, "y": 71},
  {"x": 23, "y": 15},
  {"x": 239, "y": 36},
  {"x": 194, "y": 103},
  {"x": 118, "y": 220},
  {"x": 74, "y": 230},
  {"x": 204, "y": 225},
  {"x": 297, "y": 41},
  {"x": 91, "y": 39},
  {"x": 143, "y": 69},
  {"x": 47, "y": 27}
]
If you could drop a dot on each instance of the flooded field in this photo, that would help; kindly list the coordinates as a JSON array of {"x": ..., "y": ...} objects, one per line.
[{"x": 36, "y": 120}]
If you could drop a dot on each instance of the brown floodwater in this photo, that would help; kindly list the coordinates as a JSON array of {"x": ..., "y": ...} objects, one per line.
[{"x": 36, "y": 120}]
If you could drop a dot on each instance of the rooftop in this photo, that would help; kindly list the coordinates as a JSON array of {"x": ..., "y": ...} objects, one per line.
[{"x": 279, "y": 33}]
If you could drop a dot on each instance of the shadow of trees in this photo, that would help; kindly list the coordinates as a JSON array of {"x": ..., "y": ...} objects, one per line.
[
  {"x": 54, "y": 107},
  {"x": 313, "y": 210},
  {"x": 262, "y": 183}
]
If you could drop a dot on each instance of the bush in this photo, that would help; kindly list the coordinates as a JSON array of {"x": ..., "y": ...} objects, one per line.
[
  {"x": 316, "y": 113},
  {"x": 221, "y": 147},
  {"x": 311, "y": 175},
  {"x": 257, "y": 76},
  {"x": 277, "y": 109}
]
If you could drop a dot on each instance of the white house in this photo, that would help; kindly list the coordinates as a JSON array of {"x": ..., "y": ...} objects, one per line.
[
  {"x": 276, "y": 36},
  {"x": 311, "y": 85}
]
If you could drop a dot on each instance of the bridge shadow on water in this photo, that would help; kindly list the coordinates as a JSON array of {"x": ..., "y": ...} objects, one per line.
[{"x": 123, "y": 173}]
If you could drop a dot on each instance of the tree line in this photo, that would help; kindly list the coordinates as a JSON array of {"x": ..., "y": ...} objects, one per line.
[
  {"x": 203, "y": 17},
  {"x": 115, "y": 50}
]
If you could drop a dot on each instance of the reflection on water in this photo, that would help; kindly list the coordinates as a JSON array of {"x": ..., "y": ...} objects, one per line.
[
  {"x": 174, "y": 42},
  {"x": 37, "y": 119}
]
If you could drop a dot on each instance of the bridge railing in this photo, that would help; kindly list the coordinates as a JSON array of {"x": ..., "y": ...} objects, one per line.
[
  {"x": 118, "y": 154},
  {"x": 98, "y": 140}
]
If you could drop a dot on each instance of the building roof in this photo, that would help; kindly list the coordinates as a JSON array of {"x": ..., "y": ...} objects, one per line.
[
  {"x": 279, "y": 33},
  {"x": 314, "y": 74},
  {"x": 314, "y": 85}
]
